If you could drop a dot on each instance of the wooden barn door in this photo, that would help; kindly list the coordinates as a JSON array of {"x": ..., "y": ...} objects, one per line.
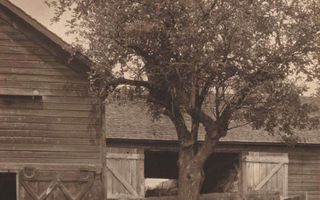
[
  {"x": 125, "y": 173},
  {"x": 49, "y": 184},
  {"x": 265, "y": 172}
]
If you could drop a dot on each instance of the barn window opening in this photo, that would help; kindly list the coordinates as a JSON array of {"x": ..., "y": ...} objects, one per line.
[
  {"x": 8, "y": 186},
  {"x": 161, "y": 172},
  {"x": 12, "y": 99}
]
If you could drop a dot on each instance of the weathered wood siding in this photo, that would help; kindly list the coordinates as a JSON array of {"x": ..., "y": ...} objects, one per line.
[
  {"x": 60, "y": 124},
  {"x": 125, "y": 175},
  {"x": 303, "y": 167},
  {"x": 304, "y": 173},
  {"x": 263, "y": 171},
  {"x": 69, "y": 183}
]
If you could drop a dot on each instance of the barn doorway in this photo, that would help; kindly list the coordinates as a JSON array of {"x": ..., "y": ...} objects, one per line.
[
  {"x": 161, "y": 173},
  {"x": 221, "y": 173},
  {"x": 8, "y": 186}
]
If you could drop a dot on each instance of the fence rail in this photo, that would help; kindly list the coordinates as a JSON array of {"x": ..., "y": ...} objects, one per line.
[{"x": 256, "y": 195}]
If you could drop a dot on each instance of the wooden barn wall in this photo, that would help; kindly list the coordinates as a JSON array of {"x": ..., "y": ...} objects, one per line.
[
  {"x": 46, "y": 114},
  {"x": 303, "y": 166},
  {"x": 304, "y": 173}
]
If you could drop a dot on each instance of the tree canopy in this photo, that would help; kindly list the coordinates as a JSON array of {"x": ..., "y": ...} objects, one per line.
[{"x": 240, "y": 56}]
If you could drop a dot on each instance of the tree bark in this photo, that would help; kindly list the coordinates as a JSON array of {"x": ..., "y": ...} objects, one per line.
[
  {"x": 191, "y": 175},
  {"x": 191, "y": 161}
]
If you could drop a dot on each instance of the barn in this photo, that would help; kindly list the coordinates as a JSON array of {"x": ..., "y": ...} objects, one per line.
[
  {"x": 139, "y": 149},
  {"x": 51, "y": 140}
]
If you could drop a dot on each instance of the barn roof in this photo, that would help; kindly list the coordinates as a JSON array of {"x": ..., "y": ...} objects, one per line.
[
  {"x": 130, "y": 120},
  {"x": 44, "y": 37}
]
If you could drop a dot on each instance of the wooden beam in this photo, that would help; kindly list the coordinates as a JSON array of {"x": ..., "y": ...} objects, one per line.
[
  {"x": 125, "y": 196},
  {"x": 71, "y": 176},
  {"x": 285, "y": 180},
  {"x": 51, "y": 167},
  {"x": 266, "y": 159},
  {"x": 45, "y": 193},
  {"x": 130, "y": 156},
  {"x": 79, "y": 195}
]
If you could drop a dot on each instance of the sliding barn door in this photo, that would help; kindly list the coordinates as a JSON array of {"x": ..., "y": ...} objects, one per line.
[
  {"x": 49, "y": 184},
  {"x": 125, "y": 173},
  {"x": 265, "y": 172}
]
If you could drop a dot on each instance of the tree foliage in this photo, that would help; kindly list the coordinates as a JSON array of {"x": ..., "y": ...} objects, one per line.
[{"x": 238, "y": 56}]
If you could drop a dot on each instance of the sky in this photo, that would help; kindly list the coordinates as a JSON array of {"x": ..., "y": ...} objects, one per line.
[{"x": 38, "y": 10}]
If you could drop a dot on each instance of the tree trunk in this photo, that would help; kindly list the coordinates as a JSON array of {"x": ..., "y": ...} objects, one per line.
[
  {"x": 191, "y": 160},
  {"x": 191, "y": 175}
]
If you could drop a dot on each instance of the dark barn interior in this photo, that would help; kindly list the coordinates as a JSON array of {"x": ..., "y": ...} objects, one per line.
[
  {"x": 8, "y": 186},
  {"x": 221, "y": 173},
  {"x": 221, "y": 170}
]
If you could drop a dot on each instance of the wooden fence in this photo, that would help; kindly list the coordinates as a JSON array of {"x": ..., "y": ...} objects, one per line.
[{"x": 237, "y": 196}]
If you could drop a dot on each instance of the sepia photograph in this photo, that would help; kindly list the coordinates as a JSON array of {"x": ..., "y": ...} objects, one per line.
[{"x": 159, "y": 99}]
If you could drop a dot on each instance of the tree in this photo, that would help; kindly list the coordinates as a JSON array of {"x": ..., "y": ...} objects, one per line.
[
  {"x": 317, "y": 93},
  {"x": 237, "y": 56}
]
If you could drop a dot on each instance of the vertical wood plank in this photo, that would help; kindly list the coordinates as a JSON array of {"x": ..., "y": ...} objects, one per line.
[
  {"x": 126, "y": 171},
  {"x": 275, "y": 180},
  {"x": 122, "y": 170},
  {"x": 269, "y": 168},
  {"x": 103, "y": 148},
  {"x": 141, "y": 179},
  {"x": 264, "y": 174},
  {"x": 114, "y": 181},
  {"x": 256, "y": 174},
  {"x": 133, "y": 174},
  {"x": 285, "y": 180},
  {"x": 109, "y": 184},
  {"x": 244, "y": 173},
  {"x": 250, "y": 175},
  {"x": 280, "y": 179}
]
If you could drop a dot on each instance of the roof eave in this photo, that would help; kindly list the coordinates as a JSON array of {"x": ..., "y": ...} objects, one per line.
[{"x": 153, "y": 141}]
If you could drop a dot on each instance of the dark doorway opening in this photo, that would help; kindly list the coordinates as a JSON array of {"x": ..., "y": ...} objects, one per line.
[
  {"x": 161, "y": 164},
  {"x": 8, "y": 188},
  {"x": 161, "y": 173},
  {"x": 221, "y": 173}
]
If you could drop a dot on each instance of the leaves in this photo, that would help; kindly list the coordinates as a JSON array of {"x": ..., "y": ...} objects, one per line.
[{"x": 230, "y": 54}]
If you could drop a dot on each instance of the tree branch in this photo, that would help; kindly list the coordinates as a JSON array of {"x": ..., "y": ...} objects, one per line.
[
  {"x": 214, "y": 131},
  {"x": 136, "y": 49},
  {"x": 204, "y": 92},
  {"x": 185, "y": 138},
  {"x": 240, "y": 125},
  {"x": 124, "y": 81}
]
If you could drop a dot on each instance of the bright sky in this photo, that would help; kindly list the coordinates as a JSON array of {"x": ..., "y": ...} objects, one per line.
[
  {"x": 42, "y": 13},
  {"x": 38, "y": 10}
]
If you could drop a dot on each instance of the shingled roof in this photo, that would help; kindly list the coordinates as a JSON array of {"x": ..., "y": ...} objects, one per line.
[{"x": 130, "y": 120}]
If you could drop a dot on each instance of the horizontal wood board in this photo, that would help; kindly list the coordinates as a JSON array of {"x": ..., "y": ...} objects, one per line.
[
  {"x": 304, "y": 174},
  {"x": 46, "y": 112}
]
